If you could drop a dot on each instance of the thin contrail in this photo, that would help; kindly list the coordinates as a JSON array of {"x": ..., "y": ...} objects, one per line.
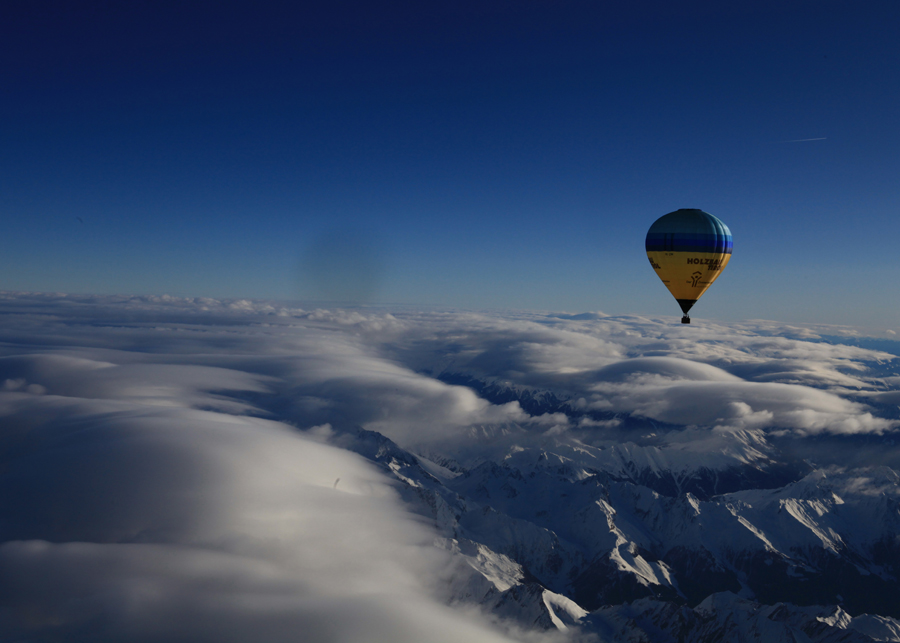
[{"x": 804, "y": 140}]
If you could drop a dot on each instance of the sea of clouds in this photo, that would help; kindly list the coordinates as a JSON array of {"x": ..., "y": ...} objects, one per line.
[{"x": 172, "y": 469}]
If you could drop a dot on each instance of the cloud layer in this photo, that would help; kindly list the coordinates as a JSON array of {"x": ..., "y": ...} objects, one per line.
[{"x": 169, "y": 468}]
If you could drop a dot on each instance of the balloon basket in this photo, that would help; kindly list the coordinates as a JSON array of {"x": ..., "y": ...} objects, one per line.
[{"x": 685, "y": 320}]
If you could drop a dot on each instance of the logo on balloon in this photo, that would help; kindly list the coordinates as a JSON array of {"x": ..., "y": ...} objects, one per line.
[{"x": 695, "y": 278}]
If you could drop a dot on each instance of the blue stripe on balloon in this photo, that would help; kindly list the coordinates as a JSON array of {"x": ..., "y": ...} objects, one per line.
[{"x": 681, "y": 242}]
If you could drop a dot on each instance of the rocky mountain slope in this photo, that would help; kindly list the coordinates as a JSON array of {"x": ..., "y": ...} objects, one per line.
[{"x": 697, "y": 536}]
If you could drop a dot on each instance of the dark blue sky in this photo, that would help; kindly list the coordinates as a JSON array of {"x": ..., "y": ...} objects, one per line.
[{"x": 479, "y": 154}]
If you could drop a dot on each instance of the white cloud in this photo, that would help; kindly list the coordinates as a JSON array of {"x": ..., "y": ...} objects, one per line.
[
  {"x": 190, "y": 525},
  {"x": 742, "y": 405},
  {"x": 132, "y": 514},
  {"x": 148, "y": 592},
  {"x": 154, "y": 486}
]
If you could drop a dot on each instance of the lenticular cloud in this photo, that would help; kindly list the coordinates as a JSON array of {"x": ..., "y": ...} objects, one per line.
[
  {"x": 212, "y": 471},
  {"x": 149, "y": 520}
]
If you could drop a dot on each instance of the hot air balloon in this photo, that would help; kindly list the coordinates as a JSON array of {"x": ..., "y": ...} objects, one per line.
[{"x": 689, "y": 249}]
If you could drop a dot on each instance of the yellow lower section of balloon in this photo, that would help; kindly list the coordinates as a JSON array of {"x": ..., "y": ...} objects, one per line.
[{"x": 687, "y": 275}]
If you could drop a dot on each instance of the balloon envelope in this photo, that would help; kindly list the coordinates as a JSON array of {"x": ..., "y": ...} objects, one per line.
[{"x": 689, "y": 249}]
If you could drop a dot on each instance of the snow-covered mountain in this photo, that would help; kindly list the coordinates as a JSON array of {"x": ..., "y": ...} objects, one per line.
[
  {"x": 433, "y": 476},
  {"x": 553, "y": 538},
  {"x": 727, "y": 617},
  {"x": 635, "y": 528}
]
